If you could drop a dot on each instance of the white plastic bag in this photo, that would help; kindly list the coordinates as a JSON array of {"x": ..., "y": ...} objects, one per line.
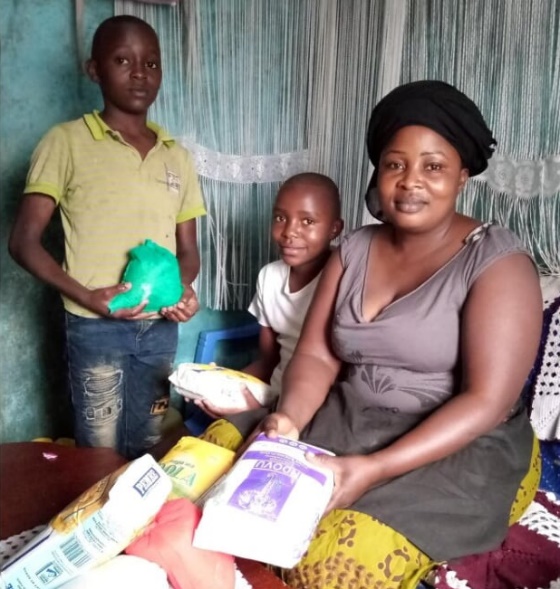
[{"x": 121, "y": 571}]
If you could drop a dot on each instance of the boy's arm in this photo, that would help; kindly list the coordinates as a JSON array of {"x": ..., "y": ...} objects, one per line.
[
  {"x": 269, "y": 355},
  {"x": 26, "y": 248},
  {"x": 189, "y": 264},
  {"x": 187, "y": 251}
]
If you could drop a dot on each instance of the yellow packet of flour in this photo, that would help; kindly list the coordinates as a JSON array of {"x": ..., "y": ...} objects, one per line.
[{"x": 194, "y": 465}]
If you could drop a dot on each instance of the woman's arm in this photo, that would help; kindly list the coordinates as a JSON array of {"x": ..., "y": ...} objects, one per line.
[
  {"x": 500, "y": 333},
  {"x": 314, "y": 366}
]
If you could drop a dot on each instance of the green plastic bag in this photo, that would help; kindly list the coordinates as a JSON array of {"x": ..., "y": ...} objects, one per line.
[{"x": 154, "y": 274}]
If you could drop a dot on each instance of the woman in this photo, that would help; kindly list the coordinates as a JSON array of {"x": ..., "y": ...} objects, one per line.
[{"x": 412, "y": 360}]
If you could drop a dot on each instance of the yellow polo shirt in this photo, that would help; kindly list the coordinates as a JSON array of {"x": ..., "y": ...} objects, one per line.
[{"x": 110, "y": 199}]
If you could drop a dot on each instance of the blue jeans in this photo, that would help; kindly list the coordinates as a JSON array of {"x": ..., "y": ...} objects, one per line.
[{"x": 118, "y": 378}]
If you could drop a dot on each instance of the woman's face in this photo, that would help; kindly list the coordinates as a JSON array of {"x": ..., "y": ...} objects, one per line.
[{"x": 419, "y": 179}]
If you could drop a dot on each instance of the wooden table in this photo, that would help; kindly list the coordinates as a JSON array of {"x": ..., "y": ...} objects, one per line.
[{"x": 39, "y": 479}]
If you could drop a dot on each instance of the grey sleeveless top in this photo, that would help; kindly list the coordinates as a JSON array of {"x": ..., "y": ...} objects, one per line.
[
  {"x": 404, "y": 359},
  {"x": 397, "y": 369},
  {"x": 402, "y": 366}
]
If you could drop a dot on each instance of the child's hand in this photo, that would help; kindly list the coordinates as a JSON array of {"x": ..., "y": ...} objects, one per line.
[
  {"x": 219, "y": 412},
  {"x": 184, "y": 309},
  {"x": 99, "y": 299}
]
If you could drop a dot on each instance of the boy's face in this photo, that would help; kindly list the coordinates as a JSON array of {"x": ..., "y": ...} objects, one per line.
[
  {"x": 128, "y": 69},
  {"x": 303, "y": 224}
]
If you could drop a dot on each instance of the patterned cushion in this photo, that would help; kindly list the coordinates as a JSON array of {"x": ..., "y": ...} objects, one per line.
[{"x": 529, "y": 557}]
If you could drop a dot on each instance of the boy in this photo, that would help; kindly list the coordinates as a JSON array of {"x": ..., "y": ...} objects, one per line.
[
  {"x": 118, "y": 180},
  {"x": 305, "y": 219}
]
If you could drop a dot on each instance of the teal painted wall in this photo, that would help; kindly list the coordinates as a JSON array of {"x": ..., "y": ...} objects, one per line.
[{"x": 40, "y": 86}]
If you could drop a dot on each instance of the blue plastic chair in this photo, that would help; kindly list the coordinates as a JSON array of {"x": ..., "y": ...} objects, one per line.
[
  {"x": 196, "y": 420},
  {"x": 207, "y": 340}
]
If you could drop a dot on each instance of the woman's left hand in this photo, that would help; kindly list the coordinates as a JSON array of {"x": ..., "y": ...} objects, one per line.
[
  {"x": 184, "y": 309},
  {"x": 353, "y": 476}
]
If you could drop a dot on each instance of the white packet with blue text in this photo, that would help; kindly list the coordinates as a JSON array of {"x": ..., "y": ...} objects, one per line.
[{"x": 95, "y": 527}]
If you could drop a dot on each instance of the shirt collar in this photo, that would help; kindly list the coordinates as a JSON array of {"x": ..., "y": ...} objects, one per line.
[{"x": 99, "y": 129}]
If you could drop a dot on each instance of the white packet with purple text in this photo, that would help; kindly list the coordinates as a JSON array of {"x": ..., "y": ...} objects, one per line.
[{"x": 267, "y": 507}]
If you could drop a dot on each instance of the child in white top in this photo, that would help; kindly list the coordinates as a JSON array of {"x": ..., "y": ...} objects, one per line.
[{"x": 305, "y": 219}]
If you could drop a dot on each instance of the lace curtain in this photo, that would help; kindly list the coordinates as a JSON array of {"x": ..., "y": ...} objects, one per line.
[
  {"x": 259, "y": 90},
  {"x": 505, "y": 55}
]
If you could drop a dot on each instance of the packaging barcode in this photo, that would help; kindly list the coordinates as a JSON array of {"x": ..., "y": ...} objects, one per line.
[{"x": 75, "y": 553}]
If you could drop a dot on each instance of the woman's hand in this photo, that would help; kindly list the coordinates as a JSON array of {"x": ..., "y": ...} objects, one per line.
[
  {"x": 273, "y": 425},
  {"x": 278, "y": 424},
  {"x": 353, "y": 476}
]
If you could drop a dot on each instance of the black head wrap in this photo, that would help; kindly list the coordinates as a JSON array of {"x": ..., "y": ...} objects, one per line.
[{"x": 436, "y": 105}]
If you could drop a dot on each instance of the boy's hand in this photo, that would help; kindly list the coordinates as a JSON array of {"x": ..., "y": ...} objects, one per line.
[
  {"x": 184, "y": 309},
  {"x": 219, "y": 412},
  {"x": 99, "y": 299}
]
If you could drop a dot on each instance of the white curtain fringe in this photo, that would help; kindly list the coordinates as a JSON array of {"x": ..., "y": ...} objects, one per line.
[{"x": 259, "y": 90}]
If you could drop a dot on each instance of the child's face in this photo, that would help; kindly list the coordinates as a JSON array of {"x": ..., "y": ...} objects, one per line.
[
  {"x": 128, "y": 69},
  {"x": 303, "y": 224}
]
